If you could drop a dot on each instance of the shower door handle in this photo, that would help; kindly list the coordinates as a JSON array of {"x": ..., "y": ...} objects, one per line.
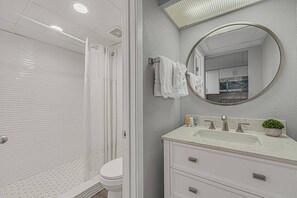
[{"x": 3, "y": 139}]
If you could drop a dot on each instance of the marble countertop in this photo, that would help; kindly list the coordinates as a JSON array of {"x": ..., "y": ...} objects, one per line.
[{"x": 281, "y": 149}]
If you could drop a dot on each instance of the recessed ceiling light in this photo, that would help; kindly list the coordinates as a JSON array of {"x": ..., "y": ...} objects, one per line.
[
  {"x": 80, "y": 7},
  {"x": 57, "y": 28}
]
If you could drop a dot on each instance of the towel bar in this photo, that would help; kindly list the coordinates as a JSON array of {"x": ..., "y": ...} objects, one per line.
[{"x": 152, "y": 61}]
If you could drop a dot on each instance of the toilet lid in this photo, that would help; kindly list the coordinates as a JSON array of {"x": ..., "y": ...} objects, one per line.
[{"x": 112, "y": 169}]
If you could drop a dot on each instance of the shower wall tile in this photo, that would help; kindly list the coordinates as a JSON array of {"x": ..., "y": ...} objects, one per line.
[{"x": 41, "y": 101}]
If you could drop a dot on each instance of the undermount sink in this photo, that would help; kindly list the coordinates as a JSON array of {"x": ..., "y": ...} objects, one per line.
[{"x": 239, "y": 138}]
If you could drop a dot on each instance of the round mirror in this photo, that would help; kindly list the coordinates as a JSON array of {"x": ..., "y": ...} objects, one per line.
[{"x": 234, "y": 63}]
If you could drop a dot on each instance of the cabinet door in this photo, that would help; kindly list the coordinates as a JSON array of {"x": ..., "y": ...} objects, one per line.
[
  {"x": 241, "y": 71},
  {"x": 212, "y": 82},
  {"x": 227, "y": 73}
]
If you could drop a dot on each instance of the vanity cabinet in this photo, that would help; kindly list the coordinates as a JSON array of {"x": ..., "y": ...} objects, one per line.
[{"x": 193, "y": 171}]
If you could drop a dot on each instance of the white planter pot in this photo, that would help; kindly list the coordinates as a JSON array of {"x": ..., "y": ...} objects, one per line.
[{"x": 273, "y": 132}]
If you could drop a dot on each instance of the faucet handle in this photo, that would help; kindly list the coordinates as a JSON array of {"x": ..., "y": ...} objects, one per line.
[
  {"x": 212, "y": 126},
  {"x": 239, "y": 127}
]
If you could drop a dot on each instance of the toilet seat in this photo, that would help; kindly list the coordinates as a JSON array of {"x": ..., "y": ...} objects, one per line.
[{"x": 112, "y": 170}]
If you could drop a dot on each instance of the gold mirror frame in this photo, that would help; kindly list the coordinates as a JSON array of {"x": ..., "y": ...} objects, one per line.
[{"x": 281, "y": 64}]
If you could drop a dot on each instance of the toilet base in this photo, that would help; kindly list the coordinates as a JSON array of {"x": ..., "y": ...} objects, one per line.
[{"x": 114, "y": 194}]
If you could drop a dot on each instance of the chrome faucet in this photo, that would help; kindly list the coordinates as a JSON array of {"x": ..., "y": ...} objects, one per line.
[{"x": 225, "y": 123}]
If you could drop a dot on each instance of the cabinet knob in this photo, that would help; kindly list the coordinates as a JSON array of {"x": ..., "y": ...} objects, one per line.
[
  {"x": 193, "y": 159},
  {"x": 193, "y": 190},
  {"x": 259, "y": 176}
]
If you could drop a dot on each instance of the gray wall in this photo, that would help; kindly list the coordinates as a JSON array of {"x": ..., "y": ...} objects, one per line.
[
  {"x": 281, "y": 100},
  {"x": 159, "y": 115}
]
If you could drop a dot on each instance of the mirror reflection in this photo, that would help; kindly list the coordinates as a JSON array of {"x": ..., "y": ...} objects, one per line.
[{"x": 233, "y": 64}]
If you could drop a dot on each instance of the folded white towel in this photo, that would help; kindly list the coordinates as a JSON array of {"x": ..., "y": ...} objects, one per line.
[
  {"x": 166, "y": 75},
  {"x": 193, "y": 81},
  {"x": 177, "y": 76},
  {"x": 157, "y": 84},
  {"x": 196, "y": 83},
  {"x": 200, "y": 85},
  {"x": 170, "y": 80},
  {"x": 179, "y": 79}
]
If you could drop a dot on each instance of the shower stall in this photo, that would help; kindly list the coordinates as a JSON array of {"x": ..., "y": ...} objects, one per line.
[{"x": 60, "y": 112}]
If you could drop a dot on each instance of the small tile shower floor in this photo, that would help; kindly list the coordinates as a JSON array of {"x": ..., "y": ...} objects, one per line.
[{"x": 101, "y": 194}]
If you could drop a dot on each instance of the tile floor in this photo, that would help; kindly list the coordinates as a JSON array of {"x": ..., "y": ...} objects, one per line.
[{"x": 101, "y": 194}]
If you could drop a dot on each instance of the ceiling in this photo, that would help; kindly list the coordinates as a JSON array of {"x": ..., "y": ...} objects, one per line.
[
  {"x": 185, "y": 13},
  {"x": 104, "y": 16},
  {"x": 232, "y": 40}
]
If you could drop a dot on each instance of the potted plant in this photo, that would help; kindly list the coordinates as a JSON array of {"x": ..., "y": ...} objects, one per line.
[{"x": 273, "y": 127}]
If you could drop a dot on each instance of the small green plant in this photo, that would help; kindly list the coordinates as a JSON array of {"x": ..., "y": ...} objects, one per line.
[{"x": 272, "y": 124}]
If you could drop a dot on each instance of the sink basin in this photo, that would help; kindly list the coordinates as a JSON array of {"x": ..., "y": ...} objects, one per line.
[{"x": 239, "y": 138}]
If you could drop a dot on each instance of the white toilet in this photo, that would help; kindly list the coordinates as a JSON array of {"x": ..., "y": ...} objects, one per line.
[{"x": 111, "y": 177}]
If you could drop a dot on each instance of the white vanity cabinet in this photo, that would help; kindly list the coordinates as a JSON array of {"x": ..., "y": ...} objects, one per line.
[{"x": 194, "y": 171}]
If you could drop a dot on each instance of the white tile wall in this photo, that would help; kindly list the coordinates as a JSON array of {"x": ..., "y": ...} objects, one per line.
[{"x": 41, "y": 100}]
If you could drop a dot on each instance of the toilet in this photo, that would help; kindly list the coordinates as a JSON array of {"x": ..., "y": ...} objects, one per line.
[{"x": 111, "y": 177}]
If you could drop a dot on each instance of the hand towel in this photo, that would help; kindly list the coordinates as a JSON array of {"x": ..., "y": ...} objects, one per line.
[{"x": 179, "y": 79}]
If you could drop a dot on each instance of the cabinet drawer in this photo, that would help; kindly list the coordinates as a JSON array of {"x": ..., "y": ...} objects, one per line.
[
  {"x": 236, "y": 171},
  {"x": 187, "y": 186}
]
